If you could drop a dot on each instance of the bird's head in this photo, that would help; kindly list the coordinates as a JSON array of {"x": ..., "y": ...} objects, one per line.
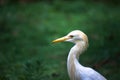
[{"x": 75, "y": 36}]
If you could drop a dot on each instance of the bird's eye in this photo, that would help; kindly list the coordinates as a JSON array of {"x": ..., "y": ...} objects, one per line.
[{"x": 71, "y": 36}]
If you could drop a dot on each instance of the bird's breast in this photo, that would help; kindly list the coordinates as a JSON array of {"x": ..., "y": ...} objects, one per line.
[{"x": 71, "y": 66}]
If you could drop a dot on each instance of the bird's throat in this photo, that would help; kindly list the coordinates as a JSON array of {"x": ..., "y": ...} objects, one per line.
[{"x": 73, "y": 59}]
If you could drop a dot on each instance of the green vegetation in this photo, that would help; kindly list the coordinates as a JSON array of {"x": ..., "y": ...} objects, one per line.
[{"x": 26, "y": 32}]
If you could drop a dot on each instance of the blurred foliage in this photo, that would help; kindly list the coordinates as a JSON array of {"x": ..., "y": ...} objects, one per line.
[
  {"x": 26, "y": 30},
  {"x": 113, "y": 2}
]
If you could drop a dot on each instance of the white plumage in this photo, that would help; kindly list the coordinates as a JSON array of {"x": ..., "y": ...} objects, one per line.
[{"x": 75, "y": 70}]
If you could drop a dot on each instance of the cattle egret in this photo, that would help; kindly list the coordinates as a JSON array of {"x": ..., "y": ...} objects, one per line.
[{"x": 75, "y": 70}]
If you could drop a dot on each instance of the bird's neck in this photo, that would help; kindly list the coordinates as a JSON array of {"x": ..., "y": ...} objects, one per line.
[
  {"x": 73, "y": 58},
  {"x": 76, "y": 50}
]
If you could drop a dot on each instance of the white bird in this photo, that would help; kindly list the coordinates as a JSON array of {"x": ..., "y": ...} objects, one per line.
[{"x": 75, "y": 70}]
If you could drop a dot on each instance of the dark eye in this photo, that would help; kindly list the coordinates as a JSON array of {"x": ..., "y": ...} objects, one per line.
[{"x": 71, "y": 36}]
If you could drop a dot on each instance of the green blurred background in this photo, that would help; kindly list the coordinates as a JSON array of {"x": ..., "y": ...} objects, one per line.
[{"x": 27, "y": 28}]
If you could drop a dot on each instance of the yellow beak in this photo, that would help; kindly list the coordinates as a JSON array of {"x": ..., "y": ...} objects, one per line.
[{"x": 61, "y": 39}]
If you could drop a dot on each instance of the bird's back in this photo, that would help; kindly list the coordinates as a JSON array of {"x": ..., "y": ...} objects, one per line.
[{"x": 86, "y": 73}]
